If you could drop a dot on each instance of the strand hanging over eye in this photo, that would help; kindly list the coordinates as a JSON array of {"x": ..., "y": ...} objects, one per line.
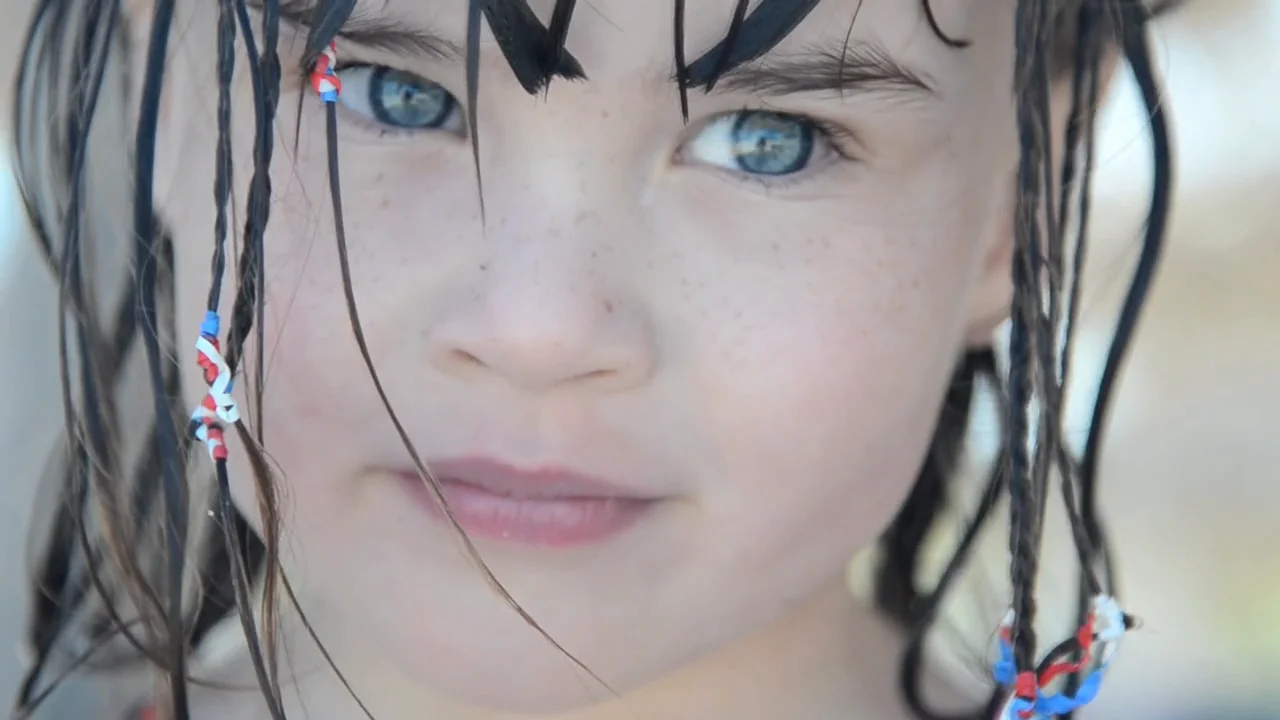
[
  {"x": 218, "y": 406},
  {"x": 324, "y": 80},
  {"x": 1096, "y": 642}
]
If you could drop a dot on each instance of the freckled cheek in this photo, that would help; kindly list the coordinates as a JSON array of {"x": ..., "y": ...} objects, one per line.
[
  {"x": 822, "y": 417},
  {"x": 317, "y": 391},
  {"x": 403, "y": 235},
  {"x": 819, "y": 441},
  {"x": 821, "y": 400},
  {"x": 402, "y": 222}
]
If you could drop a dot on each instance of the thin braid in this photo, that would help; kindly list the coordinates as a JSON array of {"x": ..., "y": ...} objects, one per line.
[
  {"x": 1085, "y": 98},
  {"x": 1133, "y": 21},
  {"x": 1046, "y": 273},
  {"x": 270, "y": 60},
  {"x": 224, "y": 508},
  {"x": 1036, "y": 329},
  {"x": 1084, "y": 106},
  {"x": 1023, "y": 496},
  {"x": 243, "y": 311},
  {"x": 222, "y": 178},
  {"x": 266, "y": 490},
  {"x": 82, "y": 544}
]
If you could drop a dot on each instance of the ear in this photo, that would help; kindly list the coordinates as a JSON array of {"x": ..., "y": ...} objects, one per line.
[{"x": 994, "y": 296}]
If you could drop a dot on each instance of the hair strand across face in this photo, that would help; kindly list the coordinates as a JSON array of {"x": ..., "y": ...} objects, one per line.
[{"x": 115, "y": 560}]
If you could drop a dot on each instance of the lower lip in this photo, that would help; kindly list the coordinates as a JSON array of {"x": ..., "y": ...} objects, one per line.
[{"x": 546, "y": 522}]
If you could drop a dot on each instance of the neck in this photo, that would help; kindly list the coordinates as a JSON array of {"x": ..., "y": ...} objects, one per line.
[{"x": 830, "y": 658}]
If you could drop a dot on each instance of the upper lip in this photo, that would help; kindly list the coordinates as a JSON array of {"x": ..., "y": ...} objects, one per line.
[{"x": 536, "y": 482}]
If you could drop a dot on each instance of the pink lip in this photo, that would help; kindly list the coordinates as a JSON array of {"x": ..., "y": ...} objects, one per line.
[{"x": 546, "y": 507}]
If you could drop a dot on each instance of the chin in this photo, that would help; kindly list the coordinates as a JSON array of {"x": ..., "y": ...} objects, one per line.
[
  {"x": 422, "y": 622},
  {"x": 525, "y": 681},
  {"x": 475, "y": 654}
]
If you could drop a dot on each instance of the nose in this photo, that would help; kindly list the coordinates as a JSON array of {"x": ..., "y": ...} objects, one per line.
[{"x": 540, "y": 317}]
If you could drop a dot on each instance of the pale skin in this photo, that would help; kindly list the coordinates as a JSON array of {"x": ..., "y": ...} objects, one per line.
[{"x": 766, "y": 354}]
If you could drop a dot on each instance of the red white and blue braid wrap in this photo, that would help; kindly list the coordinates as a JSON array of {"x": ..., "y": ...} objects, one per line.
[
  {"x": 1098, "y": 640},
  {"x": 218, "y": 409},
  {"x": 324, "y": 80}
]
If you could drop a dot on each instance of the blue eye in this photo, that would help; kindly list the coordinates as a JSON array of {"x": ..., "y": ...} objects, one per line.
[
  {"x": 757, "y": 143},
  {"x": 398, "y": 99}
]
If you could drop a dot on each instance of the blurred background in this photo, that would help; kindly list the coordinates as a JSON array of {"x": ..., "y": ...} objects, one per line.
[{"x": 1192, "y": 468}]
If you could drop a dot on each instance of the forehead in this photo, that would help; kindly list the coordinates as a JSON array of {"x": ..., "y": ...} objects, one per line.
[
  {"x": 650, "y": 22},
  {"x": 614, "y": 39}
]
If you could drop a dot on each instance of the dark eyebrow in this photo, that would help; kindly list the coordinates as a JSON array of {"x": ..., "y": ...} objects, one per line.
[
  {"x": 837, "y": 68},
  {"x": 379, "y": 33},
  {"x": 523, "y": 40}
]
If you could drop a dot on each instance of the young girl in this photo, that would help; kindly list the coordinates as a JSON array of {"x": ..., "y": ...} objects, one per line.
[{"x": 552, "y": 359}]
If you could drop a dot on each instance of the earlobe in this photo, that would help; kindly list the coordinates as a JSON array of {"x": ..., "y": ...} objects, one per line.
[
  {"x": 993, "y": 299},
  {"x": 994, "y": 294}
]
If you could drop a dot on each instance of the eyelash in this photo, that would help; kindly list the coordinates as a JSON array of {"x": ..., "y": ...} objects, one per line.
[{"x": 832, "y": 136}]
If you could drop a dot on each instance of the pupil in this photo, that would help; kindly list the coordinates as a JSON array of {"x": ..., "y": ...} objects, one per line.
[
  {"x": 772, "y": 144},
  {"x": 405, "y": 100}
]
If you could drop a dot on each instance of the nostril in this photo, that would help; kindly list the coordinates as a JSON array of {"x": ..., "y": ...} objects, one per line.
[
  {"x": 465, "y": 358},
  {"x": 535, "y": 345},
  {"x": 596, "y": 375}
]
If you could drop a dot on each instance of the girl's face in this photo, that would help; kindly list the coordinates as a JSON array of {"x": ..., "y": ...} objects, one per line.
[{"x": 674, "y": 376}]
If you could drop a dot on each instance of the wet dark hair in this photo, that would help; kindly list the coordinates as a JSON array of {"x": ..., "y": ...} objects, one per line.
[{"x": 113, "y": 582}]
